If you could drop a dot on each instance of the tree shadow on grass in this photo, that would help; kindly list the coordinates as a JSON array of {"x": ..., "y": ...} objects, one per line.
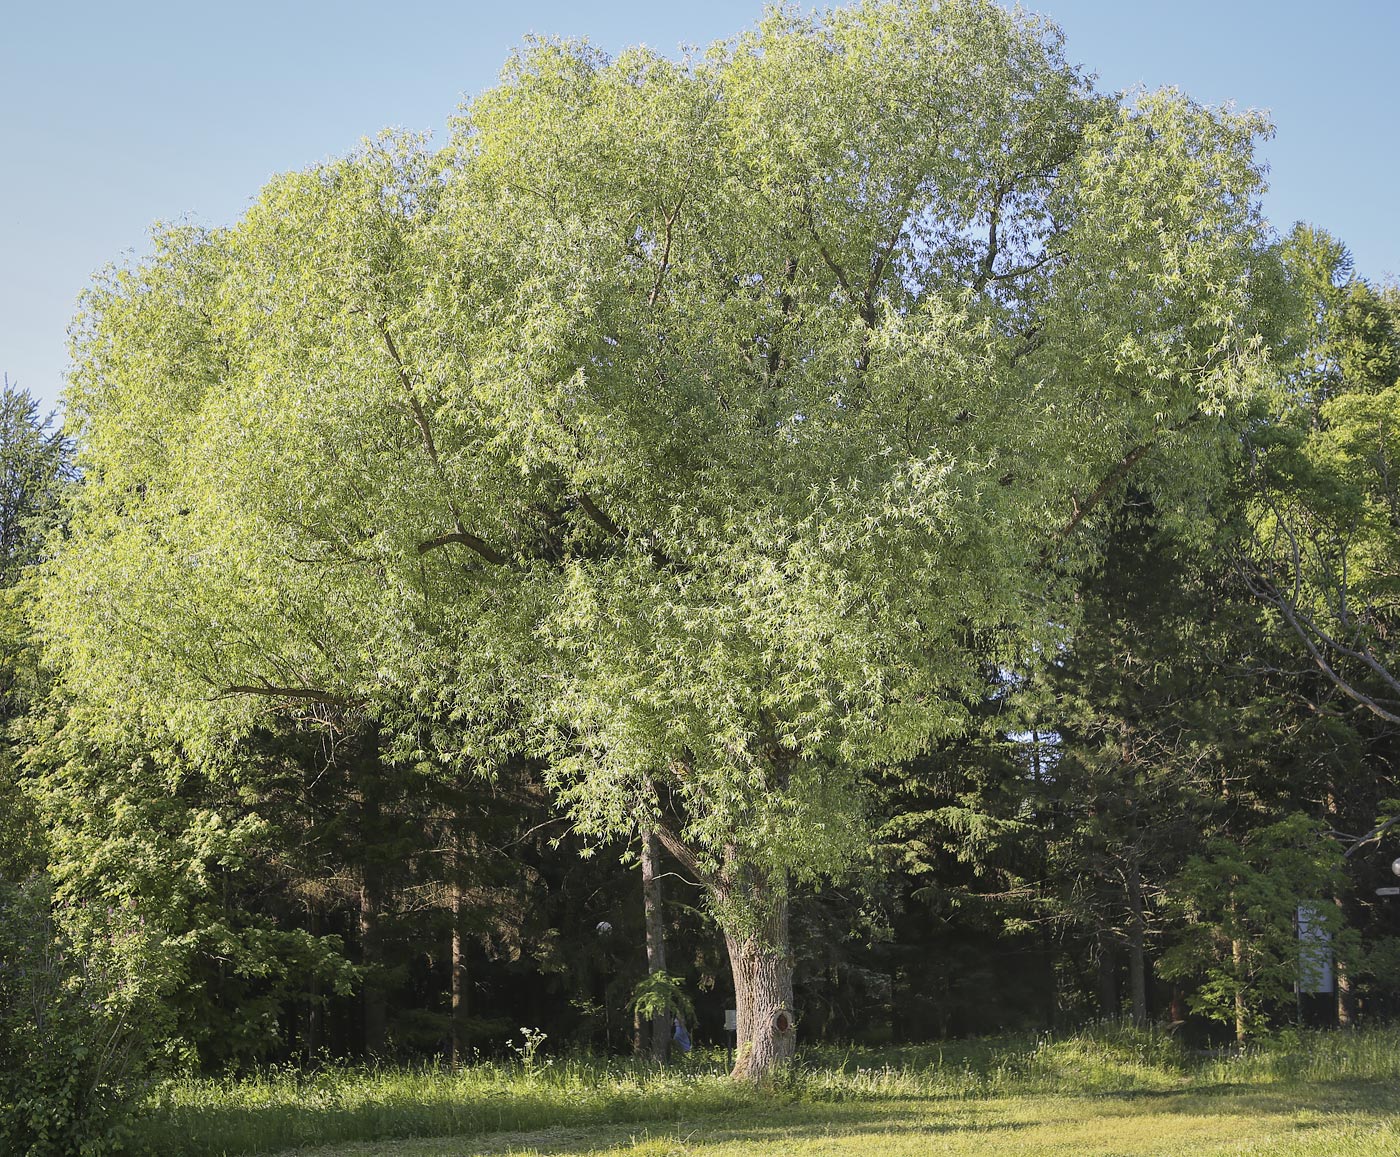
[
  {"x": 783, "y": 1125},
  {"x": 1339, "y": 1095},
  {"x": 791, "y": 1124},
  {"x": 1367, "y": 1104}
]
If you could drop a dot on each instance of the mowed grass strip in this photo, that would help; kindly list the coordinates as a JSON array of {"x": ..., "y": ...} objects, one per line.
[
  {"x": 1103, "y": 1092},
  {"x": 1290, "y": 1121}
]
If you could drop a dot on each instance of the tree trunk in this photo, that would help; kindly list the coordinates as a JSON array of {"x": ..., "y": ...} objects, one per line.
[
  {"x": 1177, "y": 1008},
  {"x": 1346, "y": 994},
  {"x": 760, "y": 959},
  {"x": 1241, "y": 1012},
  {"x": 459, "y": 972},
  {"x": 655, "y": 936},
  {"x": 1137, "y": 948},
  {"x": 375, "y": 1005},
  {"x": 1346, "y": 997},
  {"x": 752, "y": 908},
  {"x": 313, "y": 1012},
  {"x": 1109, "y": 1007},
  {"x": 372, "y": 892}
]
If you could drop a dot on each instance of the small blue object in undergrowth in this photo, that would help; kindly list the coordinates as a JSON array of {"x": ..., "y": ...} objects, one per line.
[{"x": 682, "y": 1037}]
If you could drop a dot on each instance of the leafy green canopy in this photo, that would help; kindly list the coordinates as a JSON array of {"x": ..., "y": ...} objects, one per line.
[
  {"x": 707, "y": 426},
  {"x": 1324, "y": 498}
]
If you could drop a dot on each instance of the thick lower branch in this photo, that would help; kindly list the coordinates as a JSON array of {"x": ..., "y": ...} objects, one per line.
[{"x": 687, "y": 859}]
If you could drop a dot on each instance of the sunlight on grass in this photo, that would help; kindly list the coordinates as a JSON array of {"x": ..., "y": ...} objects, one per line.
[{"x": 1104, "y": 1092}]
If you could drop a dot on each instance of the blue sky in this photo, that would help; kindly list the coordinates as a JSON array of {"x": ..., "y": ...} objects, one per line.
[{"x": 113, "y": 115}]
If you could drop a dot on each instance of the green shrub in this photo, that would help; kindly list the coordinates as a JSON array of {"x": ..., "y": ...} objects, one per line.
[{"x": 76, "y": 1026}]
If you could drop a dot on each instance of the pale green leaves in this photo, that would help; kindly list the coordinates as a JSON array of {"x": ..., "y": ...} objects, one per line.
[{"x": 711, "y": 423}]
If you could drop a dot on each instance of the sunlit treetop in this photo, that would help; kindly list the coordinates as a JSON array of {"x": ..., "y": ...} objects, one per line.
[{"x": 706, "y": 426}]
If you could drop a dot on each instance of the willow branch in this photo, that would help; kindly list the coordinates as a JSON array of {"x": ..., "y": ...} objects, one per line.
[
  {"x": 681, "y": 852},
  {"x": 665, "y": 253},
  {"x": 591, "y": 509},
  {"x": 831, "y": 263},
  {"x": 469, "y": 540},
  {"x": 1121, "y": 469},
  {"x": 420, "y": 418},
  {"x": 268, "y": 690}
]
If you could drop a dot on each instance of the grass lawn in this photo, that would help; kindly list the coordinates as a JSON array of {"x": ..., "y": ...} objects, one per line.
[
  {"x": 1106, "y": 1093},
  {"x": 1314, "y": 1120}
]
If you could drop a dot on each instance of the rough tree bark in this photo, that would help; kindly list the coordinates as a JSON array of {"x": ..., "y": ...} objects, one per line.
[
  {"x": 760, "y": 959},
  {"x": 751, "y": 904}
]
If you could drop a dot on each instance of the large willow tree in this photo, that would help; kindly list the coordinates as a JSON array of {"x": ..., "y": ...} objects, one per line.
[{"x": 707, "y": 427}]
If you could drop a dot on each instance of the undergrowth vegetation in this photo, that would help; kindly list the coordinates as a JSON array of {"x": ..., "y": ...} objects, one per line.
[{"x": 285, "y": 1108}]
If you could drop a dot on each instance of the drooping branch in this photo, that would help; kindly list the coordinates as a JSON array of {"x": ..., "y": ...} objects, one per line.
[
  {"x": 658, "y": 556},
  {"x": 1315, "y": 639},
  {"x": 831, "y": 262},
  {"x": 591, "y": 509},
  {"x": 420, "y": 419},
  {"x": 1371, "y": 837},
  {"x": 1321, "y": 644},
  {"x": 1110, "y": 481}
]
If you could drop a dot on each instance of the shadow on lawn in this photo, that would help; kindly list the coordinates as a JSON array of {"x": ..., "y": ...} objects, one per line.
[
  {"x": 1366, "y": 1103},
  {"x": 515, "y": 1124},
  {"x": 1335, "y": 1096},
  {"x": 790, "y": 1124}
]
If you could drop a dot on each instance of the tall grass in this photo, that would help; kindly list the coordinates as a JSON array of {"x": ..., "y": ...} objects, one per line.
[
  {"x": 1101, "y": 1059},
  {"x": 285, "y": 1108}
]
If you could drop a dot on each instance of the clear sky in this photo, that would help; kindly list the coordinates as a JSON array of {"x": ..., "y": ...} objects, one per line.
[{"x": 113, "y": 116}]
